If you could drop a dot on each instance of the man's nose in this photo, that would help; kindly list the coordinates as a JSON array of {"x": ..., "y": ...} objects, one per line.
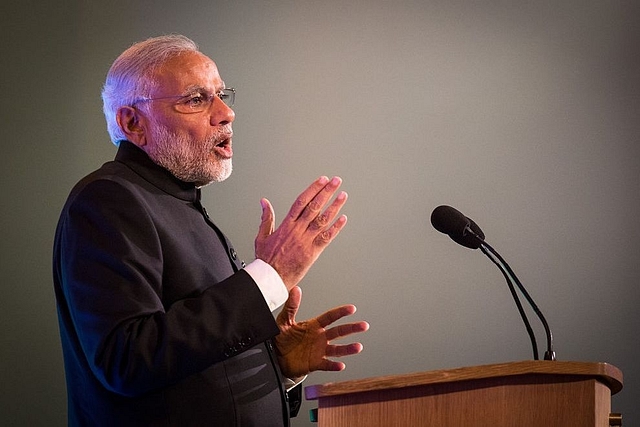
[{"x": 221, "y": 113}]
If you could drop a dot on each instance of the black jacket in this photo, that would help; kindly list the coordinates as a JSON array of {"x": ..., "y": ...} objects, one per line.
[{"x": 160, "y": 326}]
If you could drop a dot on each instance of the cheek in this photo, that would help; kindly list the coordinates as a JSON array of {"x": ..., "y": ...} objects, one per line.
[
  {"x": 187, "y": 123},
  {"x": 193, "y": 127},
  {"x": 198, "y": 130}
]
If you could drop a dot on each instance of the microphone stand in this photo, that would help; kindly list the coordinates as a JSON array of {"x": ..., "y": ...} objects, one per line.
[{"x": 511, "y": 278}]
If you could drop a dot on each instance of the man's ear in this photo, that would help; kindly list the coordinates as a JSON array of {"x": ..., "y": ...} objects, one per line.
[{"x": 132, "y": 124}]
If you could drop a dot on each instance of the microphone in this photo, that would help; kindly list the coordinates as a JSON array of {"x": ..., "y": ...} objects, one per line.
[
  {"x": 461, "y": 229},
  {"x": 465, "y": 231}
]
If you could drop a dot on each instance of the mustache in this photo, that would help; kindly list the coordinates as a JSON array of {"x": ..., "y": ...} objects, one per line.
[{"x": 224, "y": 132}]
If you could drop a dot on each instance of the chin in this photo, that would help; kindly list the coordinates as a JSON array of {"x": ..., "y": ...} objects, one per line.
[{"x": 221, "y": 172}]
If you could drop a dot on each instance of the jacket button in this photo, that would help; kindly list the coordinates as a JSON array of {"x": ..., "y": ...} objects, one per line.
[{"x": 233, "y": 254}]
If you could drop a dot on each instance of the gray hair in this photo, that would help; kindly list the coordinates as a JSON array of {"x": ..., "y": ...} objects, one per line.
[{"x": 129, "y": 77}]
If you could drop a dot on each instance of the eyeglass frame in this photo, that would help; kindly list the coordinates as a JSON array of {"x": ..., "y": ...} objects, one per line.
[{"x": 227, "y": 91}]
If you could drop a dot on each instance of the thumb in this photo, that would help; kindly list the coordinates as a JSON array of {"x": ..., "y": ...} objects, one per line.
[
  {"x": 290, "y": 309},
  {"x": 267, "y": 221}
]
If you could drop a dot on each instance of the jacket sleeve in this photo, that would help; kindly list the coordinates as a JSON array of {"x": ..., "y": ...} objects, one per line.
[{"x": 112, "y": 279}]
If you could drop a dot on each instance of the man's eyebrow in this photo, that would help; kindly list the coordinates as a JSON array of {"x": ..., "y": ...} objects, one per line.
[
  {"x": 196, "y": 88},
  {"x": 193, "y": 89}
]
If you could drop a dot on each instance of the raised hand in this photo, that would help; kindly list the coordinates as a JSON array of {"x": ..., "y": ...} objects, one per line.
[
  {"x": 304, "y": 347},
  {"x": 305, "y": 232}
]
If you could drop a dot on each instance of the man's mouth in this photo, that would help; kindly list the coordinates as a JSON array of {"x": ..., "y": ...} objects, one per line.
[{"x": 224, "y": 148}]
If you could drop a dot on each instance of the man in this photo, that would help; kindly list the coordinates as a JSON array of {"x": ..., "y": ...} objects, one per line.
[{"x": 161, "y": 323}]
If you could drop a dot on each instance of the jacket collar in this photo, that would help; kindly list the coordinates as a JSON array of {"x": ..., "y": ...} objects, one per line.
[{"x": 136, "y": 159}]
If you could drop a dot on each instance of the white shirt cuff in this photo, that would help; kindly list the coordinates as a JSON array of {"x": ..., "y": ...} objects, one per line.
[{"x": 269, "y": 282}]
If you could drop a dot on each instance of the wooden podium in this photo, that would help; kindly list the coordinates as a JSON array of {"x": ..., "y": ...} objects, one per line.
[{"x": 516, "y": 394}]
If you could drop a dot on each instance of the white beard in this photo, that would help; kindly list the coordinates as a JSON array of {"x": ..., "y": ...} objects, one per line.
[{"x": 187, "y": 159}]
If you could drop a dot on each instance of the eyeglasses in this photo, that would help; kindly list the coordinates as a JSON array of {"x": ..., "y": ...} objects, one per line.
[{"x": 198, "y": 101}]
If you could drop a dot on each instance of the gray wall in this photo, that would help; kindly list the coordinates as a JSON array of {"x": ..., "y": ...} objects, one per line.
[{"x": 524, "y": 115}]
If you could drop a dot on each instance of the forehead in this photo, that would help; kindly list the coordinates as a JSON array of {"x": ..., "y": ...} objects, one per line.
[{"x": 187, "y": 71}]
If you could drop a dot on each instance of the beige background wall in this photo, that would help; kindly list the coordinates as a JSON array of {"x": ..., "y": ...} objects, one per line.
[{"x": 524, "y": 115}]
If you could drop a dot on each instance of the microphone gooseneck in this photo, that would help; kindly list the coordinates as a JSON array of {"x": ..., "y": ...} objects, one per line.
[{"x": 466, "y": 232}]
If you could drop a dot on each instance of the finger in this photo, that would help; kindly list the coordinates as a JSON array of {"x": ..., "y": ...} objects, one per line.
[
  {"x": 312, "y": 200},
  {"x": 328, "y": 317},
  {"x": 343, "y": 350},
  {"x": 327, "y": 236},
  {"x": 323, "y": 219},
  {"x": 341, "y": 331},
  {"x": 305, "y": 197},
  {"x": 330, "y": 365},
  {"x": 315, "y": 205},
  {"x": 268, "y": 219}
]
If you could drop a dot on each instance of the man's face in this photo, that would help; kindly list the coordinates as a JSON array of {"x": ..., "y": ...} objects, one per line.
[{"x": 195, "y": 146}]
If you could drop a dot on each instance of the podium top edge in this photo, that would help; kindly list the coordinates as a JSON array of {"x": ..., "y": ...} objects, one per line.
[{"x": 604, "y": 372}]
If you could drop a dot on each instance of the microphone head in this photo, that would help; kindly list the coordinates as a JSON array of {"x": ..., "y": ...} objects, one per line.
[
  {"x": 452, "y": 222},
  {"x": 449, "y": 220}
]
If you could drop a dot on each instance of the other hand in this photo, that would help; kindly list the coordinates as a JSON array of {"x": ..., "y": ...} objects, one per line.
[{"x": 304, "y": 347}]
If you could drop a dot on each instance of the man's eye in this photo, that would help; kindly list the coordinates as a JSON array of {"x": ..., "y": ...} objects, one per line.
[{"x": 196, "y": 100}]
